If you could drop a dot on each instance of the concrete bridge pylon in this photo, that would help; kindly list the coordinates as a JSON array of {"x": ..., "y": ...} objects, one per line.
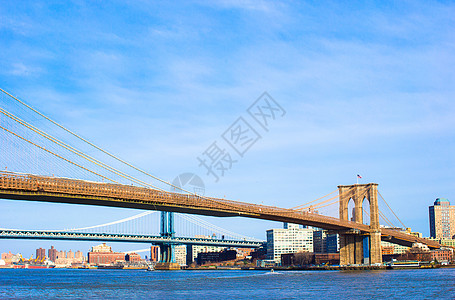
[{"x": 360, "y": 247}]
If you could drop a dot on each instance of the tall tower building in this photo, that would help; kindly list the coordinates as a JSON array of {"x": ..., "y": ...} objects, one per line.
[
  {"x": 442, "y": 219},
  {"x": 40, "y": 253},
  {"x": 52, "y": 253}
]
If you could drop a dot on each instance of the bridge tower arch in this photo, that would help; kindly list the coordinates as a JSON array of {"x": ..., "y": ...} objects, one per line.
[{"x": 356, "y": 247}]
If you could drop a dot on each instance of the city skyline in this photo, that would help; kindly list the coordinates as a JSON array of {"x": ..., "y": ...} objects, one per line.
[{"x": 367, "y": 91}]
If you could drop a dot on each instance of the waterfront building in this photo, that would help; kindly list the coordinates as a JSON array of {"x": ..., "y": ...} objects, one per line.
[
  {"x": 388, "y": 248},
  {"x": 70, "y": 255},
  {"x": 79, "y": 256},
  {"x": 320, "y": 241},
  {"x": 445, "y": 242},
  {"x": 103, "y": 255},
  {"x": 325, "y": 242},
  {"x": 442, "y": 219},
  {"x": 290, "y": 239},
  {"x": 133, "y": 257},
  {"x": 442, "y": 255},
  {"x": 180, "y": 254},
  {"x": 333, "y": 243},
  {"x": 61, "y": 254},
  {"x": 211, "y": 257},
  {"x": 244, "y": 252},
  {"x": 102, "y": 248},
  {"x": 52, "y": 254},
  {"x": 193, "y": 250},
  {"x": 307, "y": 258},
  {"x": 7, "y": 256},
  {"x": 40, "y": 254},
  {"x": 154, "y": 253}
]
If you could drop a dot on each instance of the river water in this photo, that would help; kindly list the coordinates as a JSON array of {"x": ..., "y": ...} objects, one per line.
[{"x": 227, "y": 284}]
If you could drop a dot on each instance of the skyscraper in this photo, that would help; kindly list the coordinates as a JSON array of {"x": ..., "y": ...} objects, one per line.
[{"x": 442, "y": 219}]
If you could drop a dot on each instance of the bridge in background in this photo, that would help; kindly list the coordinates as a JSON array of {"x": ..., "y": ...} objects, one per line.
[
  {"x": 118, "y": 237},
  {"x": 34, "y": 151}
]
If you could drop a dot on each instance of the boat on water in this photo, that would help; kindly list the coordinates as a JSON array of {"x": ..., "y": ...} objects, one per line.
[
  {"x": 32, "y": 266},
  {"x": 404, "y": 264}
]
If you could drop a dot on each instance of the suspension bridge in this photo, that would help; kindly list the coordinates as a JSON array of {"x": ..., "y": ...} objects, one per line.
[
  {"x": 139, "y": 228},
  {"x": 48, "y": 162}
]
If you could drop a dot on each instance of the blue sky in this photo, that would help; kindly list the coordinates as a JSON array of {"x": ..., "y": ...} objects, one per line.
[{"x": 368, "y": 88}]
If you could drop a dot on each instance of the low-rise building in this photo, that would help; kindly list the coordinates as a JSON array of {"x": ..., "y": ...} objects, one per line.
[
  {"x": 212, "y": 257},
  {"x": 192, "y": 251},
  {"x": 133, "y": 257},
  {"x": 442, "y": 255}
]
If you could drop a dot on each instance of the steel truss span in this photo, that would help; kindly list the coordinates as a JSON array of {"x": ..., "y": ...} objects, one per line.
[{"x": 59, "y": 235}]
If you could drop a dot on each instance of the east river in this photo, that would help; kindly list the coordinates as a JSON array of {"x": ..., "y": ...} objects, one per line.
[{"x": 229, "y": 284}]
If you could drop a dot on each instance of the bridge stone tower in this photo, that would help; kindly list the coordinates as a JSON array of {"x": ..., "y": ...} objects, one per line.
[{"x": 356, "y": 247}]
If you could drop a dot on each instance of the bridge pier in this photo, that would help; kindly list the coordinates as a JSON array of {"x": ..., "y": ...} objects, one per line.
[{"x": 360, "y": 247}]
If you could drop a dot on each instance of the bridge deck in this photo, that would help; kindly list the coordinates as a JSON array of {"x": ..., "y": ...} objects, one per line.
[{"x": 64, "y": 190}]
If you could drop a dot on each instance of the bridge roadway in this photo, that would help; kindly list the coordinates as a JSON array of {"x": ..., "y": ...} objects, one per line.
[
  {"x": 29, "y": 187},
  {"x": 81, "y": 236}
]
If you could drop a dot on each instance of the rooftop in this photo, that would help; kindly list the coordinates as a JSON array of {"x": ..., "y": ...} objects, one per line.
[{"x": 442, "y": 201}]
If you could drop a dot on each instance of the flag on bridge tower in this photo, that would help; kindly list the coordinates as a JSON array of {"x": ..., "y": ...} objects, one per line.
[{"x": 358, "y": 176}]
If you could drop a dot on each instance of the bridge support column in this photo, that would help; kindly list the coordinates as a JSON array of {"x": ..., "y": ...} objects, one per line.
[
  {"x": 356, "y": 247},
  {"x": 351, "y": 249},
  {"x": 375, "y": 248},
  {"x": 167, "y": 250},
  {"x": 167, "y": 230}
]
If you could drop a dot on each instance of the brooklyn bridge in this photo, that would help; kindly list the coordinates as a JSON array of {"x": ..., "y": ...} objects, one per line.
[{"x": 44, "y": 166}]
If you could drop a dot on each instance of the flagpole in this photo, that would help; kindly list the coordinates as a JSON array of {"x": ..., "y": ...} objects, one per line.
[{"x": 357, "y": 179}]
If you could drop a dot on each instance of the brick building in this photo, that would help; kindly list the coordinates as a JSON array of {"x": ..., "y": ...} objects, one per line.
[
  {"x": 52, "y": 253},
  {"x": 40, "y": 253},
  {"x": 442, "y": 255},
  {"x": 133, "y": 257},
  {"x": 103, "y": 255}
]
